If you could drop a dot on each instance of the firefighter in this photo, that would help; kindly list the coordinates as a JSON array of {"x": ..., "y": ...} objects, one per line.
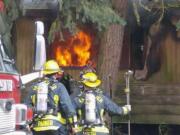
[
  {"x": 90, "y": 106},
  {"x": 51, "y": 103}
]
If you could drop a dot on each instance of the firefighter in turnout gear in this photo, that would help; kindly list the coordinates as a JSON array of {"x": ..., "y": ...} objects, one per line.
[
  {"x": 51, "y": 103},
  {"x": 90, "y": 106}
]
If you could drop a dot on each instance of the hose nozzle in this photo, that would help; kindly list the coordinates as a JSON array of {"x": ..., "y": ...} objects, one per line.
[{"x": 129, "y": 72}]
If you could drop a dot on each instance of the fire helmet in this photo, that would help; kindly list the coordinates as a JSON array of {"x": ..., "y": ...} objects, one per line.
[
  {"x": 51, "y": 67},
  {"x": 90, "y": 79}
]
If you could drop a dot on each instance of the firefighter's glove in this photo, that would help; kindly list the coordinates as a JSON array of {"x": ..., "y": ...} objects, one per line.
[
  {"x": 126, "y": 109},
  {"x": 28, "y": 127},
  {"x": 76, "y": 130},
  {"x": 72, "y": 120}
]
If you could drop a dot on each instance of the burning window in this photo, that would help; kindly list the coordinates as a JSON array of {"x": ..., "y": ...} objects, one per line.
[{"x": 75, "y": 51}]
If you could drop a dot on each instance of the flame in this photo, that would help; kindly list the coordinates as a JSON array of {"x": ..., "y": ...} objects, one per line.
[{"x": 75, "y": 51}]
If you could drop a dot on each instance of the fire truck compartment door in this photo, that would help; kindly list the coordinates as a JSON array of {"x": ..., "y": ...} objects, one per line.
[{"x": 17, "y": 133}]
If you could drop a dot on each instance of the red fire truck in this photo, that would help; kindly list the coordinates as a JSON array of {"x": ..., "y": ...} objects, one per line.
[{"x": 12, "y": 113}]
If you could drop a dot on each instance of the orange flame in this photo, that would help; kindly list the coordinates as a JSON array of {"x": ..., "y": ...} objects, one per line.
[{"x": 75, "y": 51}]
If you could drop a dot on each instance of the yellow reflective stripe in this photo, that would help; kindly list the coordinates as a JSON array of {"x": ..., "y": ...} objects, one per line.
[
  {"x": 81, "y": 100},
  {"x": 45, "y": 123},
  {"x": 100, "y": 129},
  {"x": 79, "y": 113},
  {"x": 35, "y": 87},
  {"x": 46, "y": 128},
  {"x": 99, "y": 99},
  {"x": 57, "y": 118},
  {"x": 33, "y": 99},
  {"x": 46, "y": 81},
  {"x": 78, "y": 129},
  {"x": 70, "y": 120},
  {"x": 53, "y": 87},
  {"x": 56, "y": 99}
]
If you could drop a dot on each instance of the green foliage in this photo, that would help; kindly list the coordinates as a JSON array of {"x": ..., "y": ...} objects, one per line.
[
  {"x": 154, "y": 8},
  {"x": 7, "y": 19},
  {"x": 99, "y": 13},
  {"x": 73, "y": 14}
]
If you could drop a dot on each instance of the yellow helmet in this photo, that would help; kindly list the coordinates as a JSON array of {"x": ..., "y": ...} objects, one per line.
[
  {"x": 90, "y": 79},
  {"x": 50, "y": 67}
]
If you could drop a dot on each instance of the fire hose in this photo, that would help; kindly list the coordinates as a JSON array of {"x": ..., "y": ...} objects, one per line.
[
  {"x": 127, "y": 91},
  {"x": 110, "y": 92}
]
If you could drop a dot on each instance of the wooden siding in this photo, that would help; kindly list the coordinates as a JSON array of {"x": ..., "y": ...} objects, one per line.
[
  {"x": 171, "y": 59},
  {"x": 153, "y": 101},
  {"x": 24, "y": 45},
  {"x": 156, "y": 100},
  {"x": 170, "y": 62}
]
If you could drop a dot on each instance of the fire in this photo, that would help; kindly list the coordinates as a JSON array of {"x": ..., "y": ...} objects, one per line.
[{"x": 75, "y": 51}]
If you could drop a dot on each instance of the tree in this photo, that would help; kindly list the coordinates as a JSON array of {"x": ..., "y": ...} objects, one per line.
[
  {"x": 111, "y": 47},
  {"x": 72, "y": 15}
]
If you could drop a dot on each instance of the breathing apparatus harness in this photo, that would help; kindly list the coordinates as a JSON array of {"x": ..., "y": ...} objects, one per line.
[
  {"x": 91, "y": 117},
  {"x": 45, "y": 103},
  {"x": 45, "y": 100}
]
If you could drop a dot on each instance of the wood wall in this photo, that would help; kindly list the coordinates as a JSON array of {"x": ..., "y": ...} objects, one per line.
[
  {"x": 24, "y": 45},
  {"x": 156, "y": 100},
  {"x": 171, "y": 59}
]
